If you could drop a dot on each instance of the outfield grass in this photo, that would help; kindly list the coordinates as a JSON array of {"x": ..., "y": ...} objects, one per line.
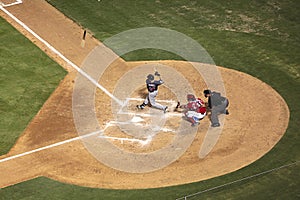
[
  {"x": 259, "y": 37},
  {"x": 27, "y": 78}
]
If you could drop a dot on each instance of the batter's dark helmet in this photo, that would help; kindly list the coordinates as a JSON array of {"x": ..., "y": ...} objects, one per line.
[{"x": 150, "y": 77}]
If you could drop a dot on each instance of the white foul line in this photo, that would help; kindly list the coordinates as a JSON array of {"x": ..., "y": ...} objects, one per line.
[
  {"x": 49, "y": 146},
  {"x": 61, "y": 56}
]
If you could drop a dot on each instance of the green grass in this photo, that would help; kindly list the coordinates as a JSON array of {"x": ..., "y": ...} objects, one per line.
[
  {"x": 278, "y": 184},
  {"x": 258, "y": 37},
  {"x": 27, "y": 78}
]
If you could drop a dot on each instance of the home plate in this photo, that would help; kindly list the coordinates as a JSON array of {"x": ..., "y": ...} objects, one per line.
[{"x": 137, "y": 119}]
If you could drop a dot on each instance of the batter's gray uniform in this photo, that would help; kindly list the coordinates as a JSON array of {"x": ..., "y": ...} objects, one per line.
[{"x": 152, "y": 87}]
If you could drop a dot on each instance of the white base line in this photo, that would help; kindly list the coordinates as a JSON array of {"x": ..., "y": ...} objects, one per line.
[
  {"x": 49, "y": 146},
  {"x": 61, "y": 56}
]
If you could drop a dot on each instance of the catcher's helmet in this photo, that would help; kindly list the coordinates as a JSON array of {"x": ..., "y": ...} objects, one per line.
[
  {"x": 191, "y": 97},
  {"x": 150, "y": 77}
]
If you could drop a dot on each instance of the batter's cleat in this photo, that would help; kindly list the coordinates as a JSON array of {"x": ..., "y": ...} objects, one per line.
[
  {"x": 140, "y": 107},
  {"x": 227, "y": 112},
  {"x": 215, "y": 125},
  {"x": 165, "y": 110}
]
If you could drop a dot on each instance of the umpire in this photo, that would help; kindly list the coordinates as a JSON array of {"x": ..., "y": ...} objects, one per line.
[{"x": 217, "y": 105}]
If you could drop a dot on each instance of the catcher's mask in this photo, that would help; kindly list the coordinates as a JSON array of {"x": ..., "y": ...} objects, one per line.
[
  {"x": 150, "y": 77},
  {"x": 191, "y": 97}
]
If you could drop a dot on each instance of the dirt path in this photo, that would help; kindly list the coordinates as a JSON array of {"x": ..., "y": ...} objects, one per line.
[{"x": 255, "y": 124}]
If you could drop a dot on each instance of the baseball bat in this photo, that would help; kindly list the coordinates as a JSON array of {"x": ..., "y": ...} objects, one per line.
[{"x": 156, "y": 72}]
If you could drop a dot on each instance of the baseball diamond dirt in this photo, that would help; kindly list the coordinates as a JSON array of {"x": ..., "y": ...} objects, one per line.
[{"x": 50, "y": 145}]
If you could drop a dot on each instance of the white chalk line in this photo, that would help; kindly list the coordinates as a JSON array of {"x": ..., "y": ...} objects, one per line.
[
  {"x": 49, "y": 146},
  {"x": 142, "y": 142},
  {"x": 58, "y": 144},
  {"x": 55, "y": 51},
  {"x": 11, "y": 4},
  {"x": 163, "y": 129}
]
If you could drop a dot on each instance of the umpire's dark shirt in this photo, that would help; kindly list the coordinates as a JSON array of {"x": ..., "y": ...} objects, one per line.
[{"x": 215, "y": 99}]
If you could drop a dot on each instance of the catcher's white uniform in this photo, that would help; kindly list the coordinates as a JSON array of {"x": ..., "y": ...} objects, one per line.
[{"x": 195, "y": 110}]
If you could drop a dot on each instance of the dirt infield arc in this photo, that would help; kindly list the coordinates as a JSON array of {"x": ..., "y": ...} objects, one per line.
[{"x": 256, "y": 122}]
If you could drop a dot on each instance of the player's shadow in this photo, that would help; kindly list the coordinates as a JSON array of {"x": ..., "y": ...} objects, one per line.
[{"x": 142, "y": 93}]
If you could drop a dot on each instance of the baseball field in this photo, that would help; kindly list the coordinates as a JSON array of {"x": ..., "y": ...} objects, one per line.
[{"x": 72, "y": 73}]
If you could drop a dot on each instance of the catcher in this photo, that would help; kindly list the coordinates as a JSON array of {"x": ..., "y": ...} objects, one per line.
[
  {"x": 194, "y": 110},
  {"x": 152, "y": 87}
]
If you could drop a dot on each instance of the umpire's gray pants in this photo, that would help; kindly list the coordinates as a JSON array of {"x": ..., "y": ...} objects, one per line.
[{"x": 216, "y": 110}]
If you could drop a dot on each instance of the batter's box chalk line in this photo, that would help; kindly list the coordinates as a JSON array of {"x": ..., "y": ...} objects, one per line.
[
  {"x": 135, "y": 121},
  {"x": 132, "y": 140},
  {"x": 153, "y": 128}
]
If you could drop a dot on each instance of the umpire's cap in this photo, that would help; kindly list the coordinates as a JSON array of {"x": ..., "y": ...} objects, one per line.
[{"x": 206, "y": 92}]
